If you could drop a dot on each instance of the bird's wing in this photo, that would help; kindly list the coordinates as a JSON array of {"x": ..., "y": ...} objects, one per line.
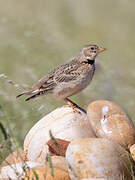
[
  {"x": 45, "y": 84},
  {"x": 65, "y": 73}
]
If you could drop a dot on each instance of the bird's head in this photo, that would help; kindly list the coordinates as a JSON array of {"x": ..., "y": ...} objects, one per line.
[{"x": 89, "y": 52}]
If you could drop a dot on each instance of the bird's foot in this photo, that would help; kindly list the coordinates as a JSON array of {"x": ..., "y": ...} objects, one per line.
[{"x": 75, "y": 107}]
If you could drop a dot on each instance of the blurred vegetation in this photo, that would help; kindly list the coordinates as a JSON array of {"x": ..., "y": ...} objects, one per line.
[{"x": 36, "y": 36}]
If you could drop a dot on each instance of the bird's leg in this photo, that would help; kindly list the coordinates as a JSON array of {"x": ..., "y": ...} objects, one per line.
[{"x": 74, "y": 106}]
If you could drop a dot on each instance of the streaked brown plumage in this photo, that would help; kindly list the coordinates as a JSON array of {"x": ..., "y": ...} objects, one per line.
[{"x": 68, "y": 79}]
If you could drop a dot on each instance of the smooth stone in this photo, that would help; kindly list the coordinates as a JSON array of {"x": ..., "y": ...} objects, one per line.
[
  {"x": 109, "y": 120},
  {"x": 132, "y": 151},
  {"x": 60, "y": 170},
  {"x": 64, "y": 123},
  {"x": 41, "y": 173},
  {"x": 25, "y": 170},
  {"x": 97, "y": 158},
  {"x": 14, "y": 157},
  {"x": 16, "y": 171}
]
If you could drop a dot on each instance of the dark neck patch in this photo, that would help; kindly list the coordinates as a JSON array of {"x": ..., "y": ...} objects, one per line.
[{"x": 91, "y": 62}]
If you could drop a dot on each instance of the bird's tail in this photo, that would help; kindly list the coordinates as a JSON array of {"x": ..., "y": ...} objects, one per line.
[
  {"x": 39, "y": 93},
  {"x": 35, "y": 93},
  {"x": 24, "y": 93},
  {"x": 32, "y": 97},
  {"x": 20, "y": 95}
]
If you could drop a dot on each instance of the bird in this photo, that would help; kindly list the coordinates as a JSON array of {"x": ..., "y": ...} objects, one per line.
[{"x": 67, "y": 79}]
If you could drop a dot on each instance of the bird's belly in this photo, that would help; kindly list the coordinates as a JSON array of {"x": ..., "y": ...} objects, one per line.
[{"x": 66, "y": 89}]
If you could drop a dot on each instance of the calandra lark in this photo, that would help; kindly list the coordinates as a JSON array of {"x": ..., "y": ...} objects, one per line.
[{"x": 68, "y": 79}]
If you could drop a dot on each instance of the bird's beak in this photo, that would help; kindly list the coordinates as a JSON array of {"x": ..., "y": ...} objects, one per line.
[{"x": 100, "y": 49}]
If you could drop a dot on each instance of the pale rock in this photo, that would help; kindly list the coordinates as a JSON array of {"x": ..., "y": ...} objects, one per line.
[
  {"x": 64, "y": 123},
  {"x": 109, "y": 120},
  {"x": 27, "y": 170},
  {"x": 17, "y": 171},
  {"x": 132, "y": 151},
  {"x": 97, "y": 158},
  {"x": 14, "y": 158}
]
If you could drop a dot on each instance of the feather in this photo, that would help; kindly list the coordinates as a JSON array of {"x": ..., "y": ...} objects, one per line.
[{"x": 32, "y": 97}]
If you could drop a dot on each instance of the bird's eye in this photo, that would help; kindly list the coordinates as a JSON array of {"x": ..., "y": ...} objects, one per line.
[{"x": 92, "y": 48}]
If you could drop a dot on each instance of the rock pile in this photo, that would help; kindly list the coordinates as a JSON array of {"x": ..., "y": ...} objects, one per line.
[{"x": 74, "y": 145}]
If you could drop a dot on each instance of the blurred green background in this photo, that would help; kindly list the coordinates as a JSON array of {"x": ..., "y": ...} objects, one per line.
[{"x": 36, "y": 36}]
